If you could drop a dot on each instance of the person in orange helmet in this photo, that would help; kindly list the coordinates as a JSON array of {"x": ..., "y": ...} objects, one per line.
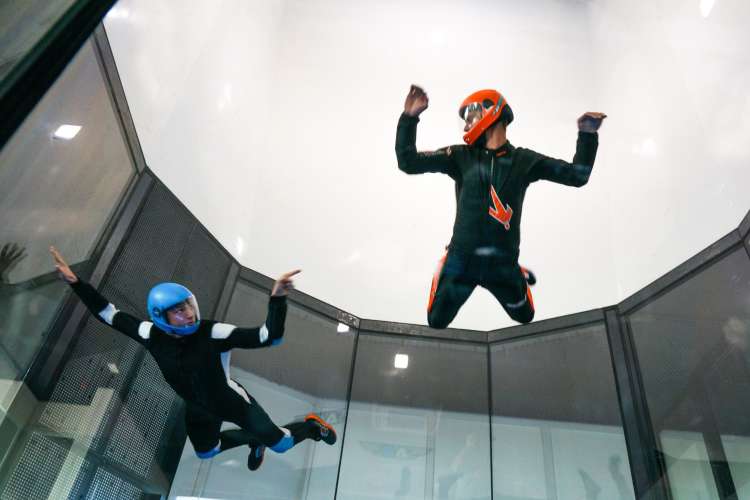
[{"x": 491, "y": 177}]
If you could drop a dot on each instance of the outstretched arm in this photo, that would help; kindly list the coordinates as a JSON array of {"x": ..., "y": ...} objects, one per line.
[
  {"x": 409, "y": 160},
  {"x": 99, "y": 306},
  {"x": 266, "y": 335},
  {"x": 577, "y": 173}
]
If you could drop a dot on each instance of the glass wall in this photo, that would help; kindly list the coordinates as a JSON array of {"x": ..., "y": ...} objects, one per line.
[
  {"x": 62, "y": 176},
  {"x": 418, "y": 422},
  {"x": 23, "y": 24},
  {"x": 535, "y": 417},
  {"x": 308, "y": 373},
  {"x": 55, "y": 190},
  {"x": 556, "y": 428},
  {"x": 692, "y": 345}
]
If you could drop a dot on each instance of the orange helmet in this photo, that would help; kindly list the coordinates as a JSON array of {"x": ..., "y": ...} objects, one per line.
[{"x": 493, "y": 106}]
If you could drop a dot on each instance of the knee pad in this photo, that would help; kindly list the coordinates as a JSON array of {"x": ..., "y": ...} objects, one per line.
[
  {"x": 205, "y": 455},
  {"x": 284, "y": 443}
]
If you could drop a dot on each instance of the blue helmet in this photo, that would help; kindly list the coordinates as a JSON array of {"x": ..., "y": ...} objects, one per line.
[{"x": 165, "y": 296}]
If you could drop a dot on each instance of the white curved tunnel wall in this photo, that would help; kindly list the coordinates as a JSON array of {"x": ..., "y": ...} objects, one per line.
[
  {"x": 674, "y": 76},
  {"x": 274, "y": 121}
]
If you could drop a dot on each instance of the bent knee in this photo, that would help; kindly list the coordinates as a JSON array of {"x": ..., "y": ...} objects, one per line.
[
  {"x": 523, "y": 316},
  {"x": 526, "y": 318},
  {"x": 434, "y": 321}
]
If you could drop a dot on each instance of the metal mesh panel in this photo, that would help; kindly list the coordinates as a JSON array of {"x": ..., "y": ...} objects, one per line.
[
  {"x": 325, "y": 352},
  {"x": 106, "y": 486},
  {"x": 143, "y": 420},
  {"x": 692, "y": 343},
  {"x": 110, "y": 400},
  {"x": 569, "y": 374},
  {"x": 91, "y": 384},
  {"x": 95, "y": 377},
  {"x": 151, "y": 252},
  {"x": 432, "y": 366},
  {"x": 45, "y": 467},
  {"x": 87, "y": 397},
  {"x": 203, "y": 268}
]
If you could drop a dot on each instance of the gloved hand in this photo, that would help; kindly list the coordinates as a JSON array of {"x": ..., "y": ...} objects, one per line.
[{"x": 590, "y": 122}]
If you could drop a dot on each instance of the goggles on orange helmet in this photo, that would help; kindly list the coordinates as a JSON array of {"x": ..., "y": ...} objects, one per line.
[{"x": 490, "y": 106}]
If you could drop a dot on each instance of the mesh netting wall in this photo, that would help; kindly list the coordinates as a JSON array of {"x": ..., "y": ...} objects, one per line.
[{"x": 110, "y": 407}]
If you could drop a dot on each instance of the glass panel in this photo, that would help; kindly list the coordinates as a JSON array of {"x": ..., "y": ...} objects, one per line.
[
  {"x": 53, "y": 191},
  {"x": 692, "y": 345},
  {"x": 23, "y": 23},
  {"x": 556, "y": 429},
  {"x": 738, "y": 452},
  {"x": 687, "y": 463},
  {"x": 56, "y": 191},
  {"x": 308, "y": 372},
  {"x": 26, "y": 313},
  {"x": 418, "y": 422}
]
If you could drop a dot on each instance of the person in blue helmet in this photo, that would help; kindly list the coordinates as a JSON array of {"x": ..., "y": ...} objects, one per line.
[{"x": 193, "y": 355}]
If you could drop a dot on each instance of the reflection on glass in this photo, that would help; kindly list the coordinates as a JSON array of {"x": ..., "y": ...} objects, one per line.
[
  {"x": 308, "y": 372},
  {"x": 421, "y": 431},
  {"x": 692, "y": 345},
  {"x": 737, "y": 449},
  {"x": 55, "y": 192},
  {"x": 52, "y": 191},
  {"x": 24, "y": 24},
  {"x": 556, "y": 430},
  {"x": 686, "y": 459}
]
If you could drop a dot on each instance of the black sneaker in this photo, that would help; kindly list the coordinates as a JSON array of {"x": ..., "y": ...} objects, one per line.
[
  {"x": 528, "y": 276},
  {"x": 326, "y": 432},
  {"x": 255, "y": 458}
]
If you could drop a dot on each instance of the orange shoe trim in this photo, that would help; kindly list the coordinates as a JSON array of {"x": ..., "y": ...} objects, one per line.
[{"x": 322, "y": 422}]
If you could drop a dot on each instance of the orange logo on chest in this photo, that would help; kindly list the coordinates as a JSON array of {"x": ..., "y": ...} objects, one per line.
[{"x": 500, "y": 213}]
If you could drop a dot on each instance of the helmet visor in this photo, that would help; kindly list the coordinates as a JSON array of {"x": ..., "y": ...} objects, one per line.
[
  {"x": 185, "y": 313},
  {"x": 471, "y": 112}
]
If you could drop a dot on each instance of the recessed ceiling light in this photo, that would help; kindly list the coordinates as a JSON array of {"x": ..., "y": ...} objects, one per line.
[
  {"x": 240, "y": 246},
  {"x": 706, "y": 6},
  {"x": 118, "y": 13},
  {"x": 67, "y": 131},
  {"x": 401, "y": 361}
]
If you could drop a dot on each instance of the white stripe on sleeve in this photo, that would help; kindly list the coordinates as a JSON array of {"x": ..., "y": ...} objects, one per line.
[
  {"x": 108, "y": 313},
  {"x": 144, "y": 330},
  {"x": 222, "y": 330}
]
